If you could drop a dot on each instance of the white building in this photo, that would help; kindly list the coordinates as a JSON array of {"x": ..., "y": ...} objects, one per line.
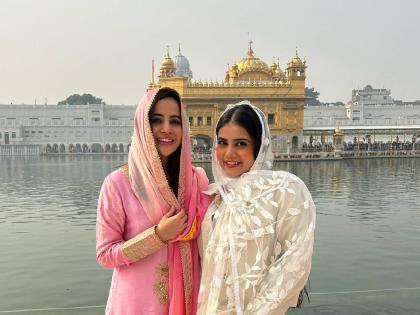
[
  {"x": 92, "y": 128},
  {"x": 370, "y": 110},
  {"x": 68, "y": 128},
  {"x": 108, "y": 128},
  {"x": 337, "y": 116}
]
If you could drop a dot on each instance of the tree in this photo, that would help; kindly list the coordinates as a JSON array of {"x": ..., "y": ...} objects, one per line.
[
  {"x": 311, "y": 97},
  {"x": 84, "y": 99}
]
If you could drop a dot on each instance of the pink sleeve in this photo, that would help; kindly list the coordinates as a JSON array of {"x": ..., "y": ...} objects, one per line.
[
  {"x": 111, "y": 248},
  {"x": 110, "y": 224}
]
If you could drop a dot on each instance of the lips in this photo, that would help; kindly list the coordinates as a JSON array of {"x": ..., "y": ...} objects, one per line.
[
  {"x": 165, "y": 141},
  {"x": 231, "y": 164}
]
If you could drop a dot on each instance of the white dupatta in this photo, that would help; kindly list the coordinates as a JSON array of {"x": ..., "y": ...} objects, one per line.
[{"x": 259, "y": 252}]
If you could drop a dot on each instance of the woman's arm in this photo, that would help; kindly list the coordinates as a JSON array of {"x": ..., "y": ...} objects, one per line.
[
  {"x": 111, "y": 248},
  {"x": 291, "y": 264}
]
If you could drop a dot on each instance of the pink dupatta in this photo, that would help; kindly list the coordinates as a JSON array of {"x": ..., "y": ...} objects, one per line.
[{"x": 149, "y": 183}]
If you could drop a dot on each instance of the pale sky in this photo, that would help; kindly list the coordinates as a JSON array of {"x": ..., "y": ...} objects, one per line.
[{"x": 54, "y": 48}]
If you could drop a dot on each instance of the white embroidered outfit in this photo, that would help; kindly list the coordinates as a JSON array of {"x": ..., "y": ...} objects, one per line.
[{"x": 257, "y": 238}]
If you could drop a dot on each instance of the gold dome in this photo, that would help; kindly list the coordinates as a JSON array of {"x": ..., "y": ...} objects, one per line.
[
  {"x": 167, "y": 63},
  {"x": 279, "y": 72},
  {"x": 167, "y": 68},
  {"x": 338, "y": 131},
  {"x": 252, "y": 63},
  {"x": 296, "y": 61},
  {"x": 274, "y": 66}
]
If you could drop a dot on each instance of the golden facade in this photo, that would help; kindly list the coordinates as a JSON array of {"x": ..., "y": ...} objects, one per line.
[{"x": 280, "y": 94}]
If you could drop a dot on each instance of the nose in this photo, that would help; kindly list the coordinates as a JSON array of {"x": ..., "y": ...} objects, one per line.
[
  {"x": 230, "y": 152},
  {"x": 166, "y": 127}
]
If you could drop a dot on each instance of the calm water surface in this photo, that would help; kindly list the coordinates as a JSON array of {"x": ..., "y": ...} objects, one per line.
[{"x": 366, "y": 250}]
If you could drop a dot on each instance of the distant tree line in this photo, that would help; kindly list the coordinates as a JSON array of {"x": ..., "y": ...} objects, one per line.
[
  {"x": 84, "y": 99},
  {"x": 311, "y": 98}
]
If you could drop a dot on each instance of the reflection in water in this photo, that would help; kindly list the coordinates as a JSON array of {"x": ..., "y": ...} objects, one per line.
[
  {"x": 373, "y": 190},
  {"x": 53, "y": 188},
  {"x": 368, "y": 229}
]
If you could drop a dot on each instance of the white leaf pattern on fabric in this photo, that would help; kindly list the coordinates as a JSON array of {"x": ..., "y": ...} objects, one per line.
[
  {"x": 273, "y": 245},
  {"x": 293, "y": 211},
  {"x": 259, "y": 238}
]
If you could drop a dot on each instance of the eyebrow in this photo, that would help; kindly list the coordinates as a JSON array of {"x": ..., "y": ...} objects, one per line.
[
  {"x": 160, "y": 115},
  {"x": 238, "y": 139}
]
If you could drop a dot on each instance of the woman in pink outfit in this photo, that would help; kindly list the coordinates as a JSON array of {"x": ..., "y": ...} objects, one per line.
[{"x": 149, "y": 215}]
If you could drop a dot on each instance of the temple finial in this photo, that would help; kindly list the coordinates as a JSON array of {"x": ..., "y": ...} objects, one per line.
[
  {"x": 250, "y": 51},
  {"x": 179, "y": 48}
]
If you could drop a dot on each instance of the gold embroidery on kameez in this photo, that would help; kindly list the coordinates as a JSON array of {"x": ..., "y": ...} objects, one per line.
[
  {"x": 160, "y": 288},
  {"x": 124, "y": 169},
  {"x": 142, "y": 245}
]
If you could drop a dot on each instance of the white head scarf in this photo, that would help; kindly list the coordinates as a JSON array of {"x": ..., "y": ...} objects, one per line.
[{"x": 264, "y": 160}]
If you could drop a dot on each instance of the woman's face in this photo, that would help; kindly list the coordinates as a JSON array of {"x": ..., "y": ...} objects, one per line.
[
  {"x": 166, "y": 126},
  {"x": 234, "y": 150}
]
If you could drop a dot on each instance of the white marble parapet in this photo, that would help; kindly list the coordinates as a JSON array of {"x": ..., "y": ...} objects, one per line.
[{"x": 20, "y": 149}]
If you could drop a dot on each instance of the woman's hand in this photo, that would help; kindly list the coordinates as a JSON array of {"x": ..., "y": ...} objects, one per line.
[{"x": 171, "y": 225}]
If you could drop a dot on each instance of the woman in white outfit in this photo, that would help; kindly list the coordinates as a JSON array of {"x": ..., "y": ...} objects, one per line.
[{"x": 257, "y": 235}]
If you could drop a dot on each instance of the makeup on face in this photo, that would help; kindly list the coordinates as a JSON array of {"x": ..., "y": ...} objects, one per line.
[
  {"x": 234, "y": 150},
  {"x": 166, "y": 127}
]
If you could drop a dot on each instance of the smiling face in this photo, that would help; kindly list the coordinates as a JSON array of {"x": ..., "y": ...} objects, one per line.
[
  {"x": 234, "y": 150},
  {"x": 166, "y": 124}
]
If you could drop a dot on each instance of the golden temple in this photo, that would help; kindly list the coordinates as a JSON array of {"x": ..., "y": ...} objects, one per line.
[{"x": 279, "y": 93}]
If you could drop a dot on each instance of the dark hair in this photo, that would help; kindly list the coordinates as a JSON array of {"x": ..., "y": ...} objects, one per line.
[
  {"x": 247, "y": 118},
  {"x": 172, "y": 166}
]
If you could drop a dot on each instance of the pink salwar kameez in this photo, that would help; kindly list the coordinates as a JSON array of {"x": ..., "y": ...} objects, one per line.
[{"x": 150, "y": 277}]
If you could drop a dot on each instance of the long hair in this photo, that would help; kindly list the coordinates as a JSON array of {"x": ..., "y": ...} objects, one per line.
[{"x": 172, "y": 166}]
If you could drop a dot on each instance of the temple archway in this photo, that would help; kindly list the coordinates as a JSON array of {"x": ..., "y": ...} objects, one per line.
[{"x": 97, "y": 148}]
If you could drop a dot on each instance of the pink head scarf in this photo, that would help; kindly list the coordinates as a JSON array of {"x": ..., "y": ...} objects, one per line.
[{"x": 150, "y": 185}]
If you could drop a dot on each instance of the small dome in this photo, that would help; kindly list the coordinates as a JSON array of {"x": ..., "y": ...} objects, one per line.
[
  {"x": 182, "y": 66},
  {"x": 167, "y": 69},
  {"x": 167, "y": 63},
  {"x": 274, "y": 67},
  {"x": 337, "y": 131},
  {"x": 296, "y": 61},
  {"x": 279, "y": 73}
]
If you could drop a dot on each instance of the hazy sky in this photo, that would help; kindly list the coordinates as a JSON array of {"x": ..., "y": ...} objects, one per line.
[{"x": 54, "y": 48}]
